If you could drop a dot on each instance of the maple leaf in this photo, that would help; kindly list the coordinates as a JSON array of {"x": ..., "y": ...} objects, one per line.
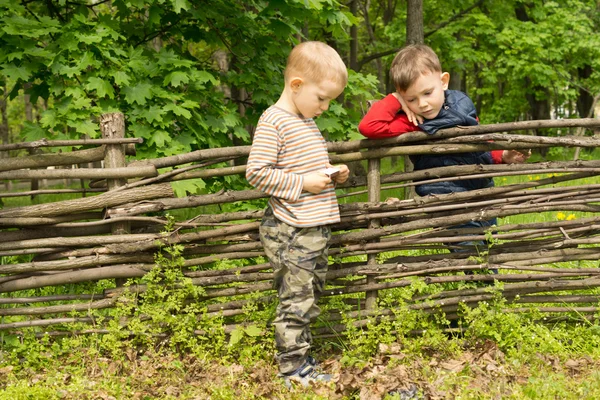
[
  {"x": 101, "y": 87},
  {"x": 138, "y": 93}
]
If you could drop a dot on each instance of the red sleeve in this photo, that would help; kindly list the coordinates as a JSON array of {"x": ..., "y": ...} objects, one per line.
[
  {"x": 383, "y": 120},
  {"x": 497, "y": 156}
]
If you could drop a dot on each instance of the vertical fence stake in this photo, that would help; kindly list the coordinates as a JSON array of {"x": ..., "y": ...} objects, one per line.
[
  {"x": 112, "y": 126},
  {"x": 374, "y": 188}
]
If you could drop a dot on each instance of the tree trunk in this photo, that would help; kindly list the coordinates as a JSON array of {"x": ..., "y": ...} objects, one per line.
[
  {"x": 4, "y": 129},
  {"x": 414, "y": 22},
  {"x": 585, "y": 101},
  {"x": 353, "y": 63},
  {"x": 414, "y": 35}
]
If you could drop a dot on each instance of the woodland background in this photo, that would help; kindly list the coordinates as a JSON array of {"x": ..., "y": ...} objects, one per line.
[
  {"x": 191, "y": 75},
  {"x": 197, "y": 74}
]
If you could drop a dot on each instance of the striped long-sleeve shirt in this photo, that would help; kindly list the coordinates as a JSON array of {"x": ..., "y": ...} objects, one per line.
[{"x": 285, "y": 147}]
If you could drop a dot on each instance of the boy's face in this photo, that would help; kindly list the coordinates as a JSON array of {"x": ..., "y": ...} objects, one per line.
[
  {"x": 425, "y": 96},
  {"x": 312, "y": 99}
]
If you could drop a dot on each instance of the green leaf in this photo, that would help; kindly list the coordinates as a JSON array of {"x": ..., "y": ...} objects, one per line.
[
  {"x": 21, "y": 26},
  {"x": 241, "y": 133},
  {"x": 253, "y": 330},
  {"x": 160, "y": 137},
  {"x": 178, "y": 5},
  {"x": 183, "y": 188},
  {"x": 62, "y": 69},
  {"x": 16, "y": 73},
  {"x": 32, "y": 132},
  {"x": 190, "y": 104},
  {"x": 81, "y": 103},
  {"x": 86, "y": 127},
  {"x": 203, "y": 77},
  {"x": 139, "y": 130},
  {"x": 177, "y": 110},
  {"x": 138, "y": 93},
  {"x": 11, "y": 340},
  {"x": 121, "y": 78},
  {"x": 101, "y": 87},
  {"x": 236, "y": 336},
  {"x": 153, "y": 113},
  {"x": 48, "y": 119},
  {"x": 89, "y": 38},
  {"x": 40, "y": 90},
  {"x": 176, "y": 78}
]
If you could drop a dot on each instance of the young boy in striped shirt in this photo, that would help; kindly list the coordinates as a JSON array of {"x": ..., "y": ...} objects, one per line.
[{"x": 289, "y": 161}]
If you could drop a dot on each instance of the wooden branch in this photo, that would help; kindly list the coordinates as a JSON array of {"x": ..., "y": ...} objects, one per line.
[
  {"x": 211, "y": 173},
  {"x": 50, "y": 191},
  {"x": 437, "y": 149},
  {"x": 82, "y": 173},
  {"x": 32, "y": 221},
  {"x": 55, "y": 159},
  {"x": 83, "y": 241},
  {"x": 185, "y": 202},
  {"x": 461, "y": 170},
  {"x": 63, "y": 143},
  {"x": 462, "y": 131},
  {"x": 45, "y": 322},
  {"x": 49, "y": 232},
  {"x": 63, "y": 308},
  {"x": 445, "y": 221},
  {"x": 453, "y": 18},
  {"x": 103, "y": 200},
  {"x": 81, "y": 262},
  {"x": 30, "y": 251},
  {"x": 200, "y": 155},
  {"x": 47, "y": 160},
  {"x": 588, "y": 142},
  {"x": 174, "y": 239},
  {"x": 94, "y": 274},
  {"x": 48, "y": 299}
]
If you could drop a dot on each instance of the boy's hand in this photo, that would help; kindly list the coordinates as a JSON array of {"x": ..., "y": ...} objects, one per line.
[
  {"x": 412, "y": 117},
  {"x": 342, "y": 176},
  {"x": 515, "y": 156},
  {"x": 315, "y": 182}
]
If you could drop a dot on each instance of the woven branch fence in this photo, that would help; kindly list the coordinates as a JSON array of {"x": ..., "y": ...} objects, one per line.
[{"x": 114, "y": 230}]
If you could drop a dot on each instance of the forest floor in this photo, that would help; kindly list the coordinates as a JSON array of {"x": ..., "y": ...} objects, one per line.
[{"x": 481, "y": 372}]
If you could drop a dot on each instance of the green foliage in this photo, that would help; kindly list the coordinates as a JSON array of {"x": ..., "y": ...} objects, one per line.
[
  {"x": 169, "y": 66},
  {"x": 515, "y": 52},
  {"x": 167, "y": 306}
]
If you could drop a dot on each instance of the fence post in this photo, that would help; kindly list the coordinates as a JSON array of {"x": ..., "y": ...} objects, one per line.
[
  {"x": 374, "y": 188},
  {"x": 112, "y": 126}
]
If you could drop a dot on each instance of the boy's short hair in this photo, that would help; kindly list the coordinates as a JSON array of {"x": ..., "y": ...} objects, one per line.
[
  {"x": 316, "y": 61},
  {"x": 410, "y": 63}
]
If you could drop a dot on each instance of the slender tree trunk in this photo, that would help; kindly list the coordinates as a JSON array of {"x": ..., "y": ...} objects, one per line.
[
  {"x": 353, "y": 64},
  {"x": 414, "y": 22},
  {"x": 414, "y": 35},
  {"x": 4, "y": 129},
  {"x": 539, "y": 106},
  {"x": 585, "y": 101},
  {"x": 113, "y": 126}
]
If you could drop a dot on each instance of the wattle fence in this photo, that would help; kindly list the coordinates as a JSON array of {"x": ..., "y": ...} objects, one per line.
[{"x": 114, "y": 230}]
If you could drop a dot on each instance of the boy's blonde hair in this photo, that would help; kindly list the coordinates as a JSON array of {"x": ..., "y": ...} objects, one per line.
[
  {"x": 317, "y": 62},
  {"x": 410, "y": 63}
]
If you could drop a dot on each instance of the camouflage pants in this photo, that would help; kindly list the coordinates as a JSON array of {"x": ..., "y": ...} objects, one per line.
[{"x": 299, "y": 260}]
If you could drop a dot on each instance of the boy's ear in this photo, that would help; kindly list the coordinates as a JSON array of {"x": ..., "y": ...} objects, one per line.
[
  {"x": 445, "y": 80},
  {"x": 296, "y": 83}
]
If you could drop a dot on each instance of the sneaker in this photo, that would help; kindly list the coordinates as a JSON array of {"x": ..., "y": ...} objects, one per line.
[
  {"x": 305, "y": 375},
  {"x": 412, "y": 393}
]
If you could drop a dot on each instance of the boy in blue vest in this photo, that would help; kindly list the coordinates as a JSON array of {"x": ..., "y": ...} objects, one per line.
[{"x": 422, "y": 101}]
